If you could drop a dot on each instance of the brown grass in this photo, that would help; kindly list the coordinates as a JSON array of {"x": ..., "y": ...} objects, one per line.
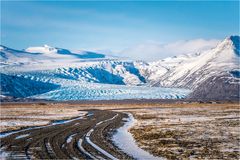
[{"x": 190, "y": 131}]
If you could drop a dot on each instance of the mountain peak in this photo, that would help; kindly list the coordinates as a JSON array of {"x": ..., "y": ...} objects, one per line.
[
  {"x": 231, "y": 42},
  {"x": 47, "y": 46},
  {"x": 43, "y": 49},
  {"x": 236, "y": 43}
]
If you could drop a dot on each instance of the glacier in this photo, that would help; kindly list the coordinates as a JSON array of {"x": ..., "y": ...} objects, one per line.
[
  {"x": 90, "y": 91},
  {"x": 60, "y": 74},
  {"x": 50, "y": 85}
]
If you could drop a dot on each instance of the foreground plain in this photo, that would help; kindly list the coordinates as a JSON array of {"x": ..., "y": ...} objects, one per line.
[{"x": 169, "y": 130}]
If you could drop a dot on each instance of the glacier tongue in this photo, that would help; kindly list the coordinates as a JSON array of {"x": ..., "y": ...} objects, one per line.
[
  {"x": 52, "y": 86},
  {"x": 93, "y": 91}
]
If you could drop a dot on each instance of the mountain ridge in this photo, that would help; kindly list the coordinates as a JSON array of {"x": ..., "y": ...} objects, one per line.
[
  {"x": 215, "y": 61},
  {"x": 193, "y": 71},
  {"x": 46, "y": 49}
]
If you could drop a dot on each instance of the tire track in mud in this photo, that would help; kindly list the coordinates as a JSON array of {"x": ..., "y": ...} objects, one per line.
[{"x": 80, "y": 138}]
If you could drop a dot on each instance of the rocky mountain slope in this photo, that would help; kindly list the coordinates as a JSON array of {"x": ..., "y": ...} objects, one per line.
[
  {"x": 212, "y": 74},
  {"x": 189, "y": 71}
]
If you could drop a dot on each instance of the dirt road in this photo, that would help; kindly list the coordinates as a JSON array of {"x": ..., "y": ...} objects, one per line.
[{"x": 86, "y": 137}]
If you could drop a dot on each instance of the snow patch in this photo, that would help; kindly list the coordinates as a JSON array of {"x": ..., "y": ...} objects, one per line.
[
  {"x": 69, "y": 139},
  {"x": 22, "y": 136},
  {"x": 122, "y": 136}
]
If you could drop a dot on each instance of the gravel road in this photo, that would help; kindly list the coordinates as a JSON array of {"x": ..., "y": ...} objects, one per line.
[{"x": 87, "y": 137}]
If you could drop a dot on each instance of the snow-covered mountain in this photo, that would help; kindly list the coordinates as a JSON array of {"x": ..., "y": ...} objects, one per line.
[
  {"x": 189, "y": 71},
  {"x": 45, "y": 57},
  {"x": 83, "y": 74},
  {"x": 82, "y": 66},
  {"x": 219, "y": 66},
  {"x": 61, "y": 53}
]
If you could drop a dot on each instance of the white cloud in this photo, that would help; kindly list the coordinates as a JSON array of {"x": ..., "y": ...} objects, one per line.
[{"x": 152, "y": 51}]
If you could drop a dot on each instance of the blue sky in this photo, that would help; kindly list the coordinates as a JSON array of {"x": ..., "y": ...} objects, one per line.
[{"x": 114, "y": 26}]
